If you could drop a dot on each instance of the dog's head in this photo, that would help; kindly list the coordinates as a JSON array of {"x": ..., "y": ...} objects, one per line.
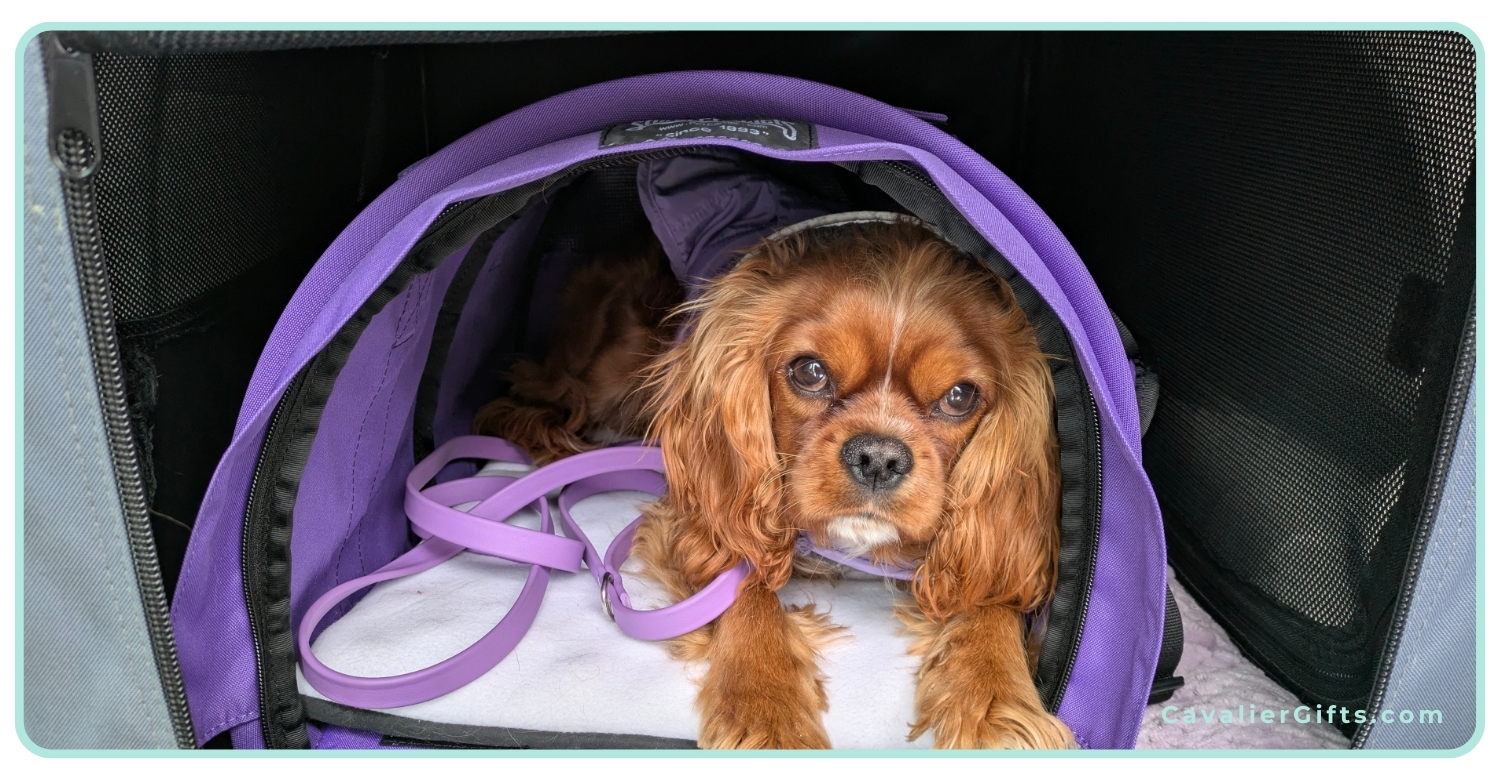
[{"x": 871, "y": 386}]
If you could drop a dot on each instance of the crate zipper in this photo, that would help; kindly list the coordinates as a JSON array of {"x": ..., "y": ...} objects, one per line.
[
  {"x": 75, "y": 150},
  {"x": 1458, "y": 394}
]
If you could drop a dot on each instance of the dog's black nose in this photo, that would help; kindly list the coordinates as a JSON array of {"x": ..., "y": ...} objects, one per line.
[{"x": 877, "y": 462}]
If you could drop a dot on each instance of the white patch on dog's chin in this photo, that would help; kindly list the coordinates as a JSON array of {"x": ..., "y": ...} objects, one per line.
[{"x": 859, "y": 534}]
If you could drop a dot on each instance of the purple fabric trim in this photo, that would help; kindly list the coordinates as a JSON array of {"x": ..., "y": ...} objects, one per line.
[
  {"x": 1122, "y": 633},
  {"x": 209, "y": 618},
  {"x": 1118, "y": 651},
  {"x": 322, "y": 736},
  {"x": 926, "y": 116},
  {"x": 246, "y": 736},
  {"x": 325, "y": 736}
]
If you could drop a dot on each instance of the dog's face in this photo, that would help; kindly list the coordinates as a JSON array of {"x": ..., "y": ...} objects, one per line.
[{"x": 876, "y": 388}]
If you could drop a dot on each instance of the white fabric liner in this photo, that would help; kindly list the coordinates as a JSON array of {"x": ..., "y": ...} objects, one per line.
[{"x": 576, "y": 672}]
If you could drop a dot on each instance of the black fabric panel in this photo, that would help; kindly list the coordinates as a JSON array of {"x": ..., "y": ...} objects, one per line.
[
  {"x": 216, "y": 163},
  {"x": 1272, "y": 214},
  {"x": 420, "y": 733},
  {"x": 186, "y": 366},
  {"x": 974, "y": 77}
]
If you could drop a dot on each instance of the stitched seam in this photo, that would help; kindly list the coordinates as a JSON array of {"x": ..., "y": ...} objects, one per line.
[
  {"x": 230, "y": 722},
  {"x": 385, "y": 425},
  {"x": 349, "y": 522},
  {"x": 418, "y": 296}
]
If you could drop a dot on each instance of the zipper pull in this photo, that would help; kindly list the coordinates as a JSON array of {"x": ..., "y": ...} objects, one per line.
[{"x": 73, "y": 110}]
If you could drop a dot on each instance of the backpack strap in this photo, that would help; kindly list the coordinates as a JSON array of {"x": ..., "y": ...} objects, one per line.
[{"x": 1166, "y": 681}]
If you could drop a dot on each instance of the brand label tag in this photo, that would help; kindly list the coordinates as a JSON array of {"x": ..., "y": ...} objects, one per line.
[{"x": 770, "y": 133}]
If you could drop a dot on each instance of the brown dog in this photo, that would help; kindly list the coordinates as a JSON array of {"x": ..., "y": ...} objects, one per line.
[{"x": 873, "y": 388}]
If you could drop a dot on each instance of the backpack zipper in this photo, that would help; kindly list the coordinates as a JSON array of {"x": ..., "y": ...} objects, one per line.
[
  {"x": 1087, "y": 589},
  {"x": 74, "y": 143},
  {"x": 254, "y": 538}
]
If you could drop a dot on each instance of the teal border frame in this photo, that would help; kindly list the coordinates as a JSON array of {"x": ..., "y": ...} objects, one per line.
[{"x": 1480, "y": 384}]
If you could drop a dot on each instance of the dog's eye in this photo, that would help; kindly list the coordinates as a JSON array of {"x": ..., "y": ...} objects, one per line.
[
  {"x": 808, "y": 374},
  {"x": 959, "y": 400}
]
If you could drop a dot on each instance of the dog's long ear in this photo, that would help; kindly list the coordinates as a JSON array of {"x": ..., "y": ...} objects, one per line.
[
  {"x": 999, "y": 541},
  {"x": 710, "y": 401}
]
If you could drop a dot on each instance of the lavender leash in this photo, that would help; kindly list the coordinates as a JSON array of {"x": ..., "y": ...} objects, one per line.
[{"x": 446, "y": 532}]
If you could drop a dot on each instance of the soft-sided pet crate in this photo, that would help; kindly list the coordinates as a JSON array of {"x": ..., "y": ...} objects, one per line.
[{"x": 1301, "y": 277}]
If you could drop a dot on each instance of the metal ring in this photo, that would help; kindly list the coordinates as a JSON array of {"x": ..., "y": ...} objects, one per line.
[{"x": 609, "y": 609}]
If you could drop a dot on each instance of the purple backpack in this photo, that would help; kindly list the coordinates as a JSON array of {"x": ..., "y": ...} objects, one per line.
[{"x": 393, "y": 341}]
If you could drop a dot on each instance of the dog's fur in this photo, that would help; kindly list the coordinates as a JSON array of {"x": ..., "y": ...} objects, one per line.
[
  {"x": 896, "y": 318},
  {"x": 611, "y": 323}
]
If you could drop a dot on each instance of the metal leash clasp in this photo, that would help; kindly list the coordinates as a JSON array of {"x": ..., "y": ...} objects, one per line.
[{"x": 609, "y": 609}]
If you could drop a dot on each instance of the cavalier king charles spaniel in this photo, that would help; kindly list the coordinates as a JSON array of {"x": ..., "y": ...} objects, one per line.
[{"x": 865, "y": 385}]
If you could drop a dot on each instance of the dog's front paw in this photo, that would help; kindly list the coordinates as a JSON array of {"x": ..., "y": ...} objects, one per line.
[
  {"x": 1000, "y": 725},
  {"x": 750, "y": 714},
  {"x": 974, "y": 689},
  {"x": 967, "y": 709}
]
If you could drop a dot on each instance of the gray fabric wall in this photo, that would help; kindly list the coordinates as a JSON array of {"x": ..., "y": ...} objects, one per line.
[
  {"x": 89, "y": 677},
  {"x": 1435, "y": 664}
]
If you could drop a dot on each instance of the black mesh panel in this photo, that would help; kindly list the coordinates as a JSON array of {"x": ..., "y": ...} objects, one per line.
[
  {"x": 138, "y": 212},
  {"x": 223, "y": 178},
  {"x": 1273, "y": 215}
]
